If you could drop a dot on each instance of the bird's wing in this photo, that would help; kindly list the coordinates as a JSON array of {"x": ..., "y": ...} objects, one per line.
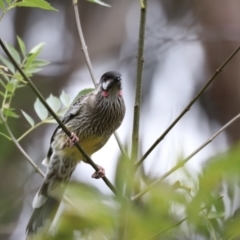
[{"x": 71, "y": 112}]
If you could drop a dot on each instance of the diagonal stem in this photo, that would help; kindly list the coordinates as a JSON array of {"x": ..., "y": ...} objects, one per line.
[
  {"x": 183, "y": 162},
  {"x": 64, "y": 128},
  {"x": 89, "y": 64},
  {"x": 34, "y": 165},
  {"x": 218, "y": 71}
]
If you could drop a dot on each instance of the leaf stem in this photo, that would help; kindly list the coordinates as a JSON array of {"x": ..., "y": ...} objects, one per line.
[
  {"x": 187, "y": 108},
  {"x": 6, "y": 136},
  {"x": 29, "y": 130},
  {"x": 64, "y": 128},
  {"x": 183, "y": 162}
]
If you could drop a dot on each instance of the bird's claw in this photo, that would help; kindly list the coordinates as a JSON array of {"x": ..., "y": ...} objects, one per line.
[
  {"x": 71, "y": 140},
  {"x": 100, "y": 173}
]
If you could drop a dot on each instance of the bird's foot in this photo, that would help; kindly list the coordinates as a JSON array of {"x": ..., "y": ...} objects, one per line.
[
  {"x": 70, "y": 142},
  {"x": 100, "y": 173}
]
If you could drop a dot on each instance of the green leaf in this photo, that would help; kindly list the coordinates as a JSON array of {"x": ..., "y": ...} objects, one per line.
[
  {"x": 14, "y": 53},
  {"x": 2, "y": 5},
  {"x": 214, "y": 214},
  {"x": 39, "y": 63},
  {"x": 10, "y": 113},
  {"x": 28, "y": 118},
  {"x": 40, "y": 110},
  {"x": 99, "y": 2},
  {"x": 22, "y": 46},
  {"x": 83, "y": 92},
  {"x": 54, "y": 103},
  {"x": 11, "y": 86},
  {"x": 21, "y": 85},
  {"x": 35, "y": 3},
  {"x": 65, "y": 99},
  {"x": 33, "y": 54},
  {"x": 37, "y": 48},
  {"x": 33, "y": 70},
  {"x": 7, "y": 63}
]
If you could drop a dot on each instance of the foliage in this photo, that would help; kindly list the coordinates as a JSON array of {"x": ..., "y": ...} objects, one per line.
[
  {"x": 166, "y": 212},
  {"x": 205, "y": 209}
]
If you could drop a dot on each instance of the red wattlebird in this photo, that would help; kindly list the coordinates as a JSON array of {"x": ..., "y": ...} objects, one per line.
[{"x": 92, "y": 119}]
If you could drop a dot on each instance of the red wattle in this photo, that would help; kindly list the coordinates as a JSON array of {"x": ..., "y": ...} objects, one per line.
[
  {"x": 104, "y": 93},
  {"x": 120, "y": 93}
]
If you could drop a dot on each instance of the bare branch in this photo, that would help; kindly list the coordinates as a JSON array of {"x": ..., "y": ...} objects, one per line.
[
  {"x": 140, "y": 61},
  {"x": 183, "y": 162},
  {"x": 187, "y": 107},
  {"x": 82, "y": 40}
]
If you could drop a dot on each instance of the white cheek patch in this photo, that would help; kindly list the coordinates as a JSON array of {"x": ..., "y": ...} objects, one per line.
[{"x": 105, "y": 84}]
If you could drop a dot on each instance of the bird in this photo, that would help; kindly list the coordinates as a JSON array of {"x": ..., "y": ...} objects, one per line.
[{"x": 91, "y": 119}]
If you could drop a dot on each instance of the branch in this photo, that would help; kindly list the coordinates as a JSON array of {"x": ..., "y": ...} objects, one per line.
[
  {"x": 187, "y": 107},
  {"x": 82, "y": 40},
  {"x": 140, "y": 61},
  {"x": 89, "y": 65},
  {"x": 183, "y": 162},
  {"x": 37, "y": 169},
  {"x": 64, "y": 128}
]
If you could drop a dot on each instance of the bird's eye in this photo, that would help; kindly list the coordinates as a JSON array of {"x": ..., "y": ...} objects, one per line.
[{"x": 118, "y": 78}]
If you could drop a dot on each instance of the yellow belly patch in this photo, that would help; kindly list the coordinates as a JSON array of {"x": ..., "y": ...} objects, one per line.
[{"x": 89, "y": 145}]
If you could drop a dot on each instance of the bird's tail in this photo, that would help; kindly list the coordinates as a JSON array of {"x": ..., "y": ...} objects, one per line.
[{"x": 45, "y": 204}]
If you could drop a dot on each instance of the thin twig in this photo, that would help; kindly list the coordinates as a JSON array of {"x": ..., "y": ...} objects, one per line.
[
  {"x": 5, "y": 135},
  {"x": 82, "y": 40},
  {"x": 183, "y": 162},
  {"x": 37, "y": 169},
  {"x": 187, "y": 107},
  {"x": 89, "y": 64},
  {"x": 64, "y": 128},
  {"x": 140, "y": 61}
]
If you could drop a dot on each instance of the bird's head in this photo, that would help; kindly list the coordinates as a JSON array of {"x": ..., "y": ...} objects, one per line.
[{"x": 110, "y": 84}]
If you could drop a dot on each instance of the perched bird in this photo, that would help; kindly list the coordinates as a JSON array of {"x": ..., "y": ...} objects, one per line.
[{"x": 91, "y": 119}]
